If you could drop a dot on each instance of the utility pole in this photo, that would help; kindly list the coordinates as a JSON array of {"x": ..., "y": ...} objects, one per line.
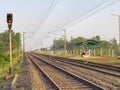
[
  {"x": 64, "y": 41},
  {"x": 9, "y": 21},
  {"x": 119, "y": 28},
  {"x": 64, "y": 36},
  {"x": 118, "y": 25},
  {"x": 24, "y": 42},
  {"x": 23, "y": 45}
]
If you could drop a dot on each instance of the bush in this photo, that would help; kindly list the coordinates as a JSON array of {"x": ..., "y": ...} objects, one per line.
[{"x": 6, "y": 57}]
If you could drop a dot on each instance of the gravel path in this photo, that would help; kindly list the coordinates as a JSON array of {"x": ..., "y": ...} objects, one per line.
[{"x": 7, "y": 83}]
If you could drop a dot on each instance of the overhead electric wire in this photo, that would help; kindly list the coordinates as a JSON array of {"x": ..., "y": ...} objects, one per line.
[
  {"x": 91, "y": 12},
  {"x": 87, "y": 14},
  {"x": 52, "y": 6}
]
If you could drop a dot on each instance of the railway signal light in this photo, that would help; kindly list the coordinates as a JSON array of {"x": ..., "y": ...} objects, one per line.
[
  {"x": 9, "y": 18},
  {"x": 9, "y": 21}
]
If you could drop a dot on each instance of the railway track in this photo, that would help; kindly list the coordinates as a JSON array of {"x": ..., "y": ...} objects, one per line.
[
  {"x": 63, "y": 78},
  {"x": 105, "y": 66},
  {"x": 49, "y": 83},
  {"x": 110, "y": 82},
  {"x": 105, "y": 69},
  {"x": 115, "y": 68}
]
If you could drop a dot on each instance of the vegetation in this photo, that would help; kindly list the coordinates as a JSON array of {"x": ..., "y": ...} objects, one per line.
[
  {"x": 17, "y": 66},
  {"x": 4, "y": 52},
  {"x": 95, "y": 45},
  {"x": 101, "y": 51}
]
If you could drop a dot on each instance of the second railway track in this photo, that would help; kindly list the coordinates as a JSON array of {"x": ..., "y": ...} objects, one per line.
[{"x": 107, "y": 70}]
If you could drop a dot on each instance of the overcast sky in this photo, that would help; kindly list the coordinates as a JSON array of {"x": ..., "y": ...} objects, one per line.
[{"x": 28, "y": 15}]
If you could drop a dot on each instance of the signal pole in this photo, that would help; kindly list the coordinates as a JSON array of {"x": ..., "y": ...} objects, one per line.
[
  {"x": 10, "y": 41},
  {"x": 9, "y": 21}
]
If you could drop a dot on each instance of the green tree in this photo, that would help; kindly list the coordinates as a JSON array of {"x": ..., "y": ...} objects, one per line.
[
  {"x": 58, "y": 44},
  {"x": 101, "y": 47}
]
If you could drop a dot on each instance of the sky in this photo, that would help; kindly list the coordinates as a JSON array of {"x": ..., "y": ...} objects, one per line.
[{"x": 85, "y": 18}]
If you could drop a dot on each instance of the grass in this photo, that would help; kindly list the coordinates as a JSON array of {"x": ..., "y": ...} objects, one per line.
[
  {"x": 119, "y": 81},
  {"x": 3, "y": 73},
  {"x": 17, "y": 67},
  {"x": 5, "y": 70},
  {"x": 104, "y": 60},
  {"x": 3, "y": 89},
  {"x": 64, "y": 55}
]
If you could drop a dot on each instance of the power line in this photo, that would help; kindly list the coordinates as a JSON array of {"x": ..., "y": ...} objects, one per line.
[
  {"x": 52, "y": 6},
  {"x": 91, "y": 12},
  {"x": 86, "y": 15}
]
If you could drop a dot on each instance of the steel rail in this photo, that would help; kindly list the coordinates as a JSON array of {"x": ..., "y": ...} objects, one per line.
[
  {"x": 90, "y": 67},
  {"x": 85, "y": 81},
  {"x": 46, "y": 75},
  {"x": 105, "y": 66}
]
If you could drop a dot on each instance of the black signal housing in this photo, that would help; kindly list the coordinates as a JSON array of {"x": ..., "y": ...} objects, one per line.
[{"x": 9, "y": 18}]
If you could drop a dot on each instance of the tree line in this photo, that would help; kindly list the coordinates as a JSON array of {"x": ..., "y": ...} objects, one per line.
[{"x": 95, "y": 45}]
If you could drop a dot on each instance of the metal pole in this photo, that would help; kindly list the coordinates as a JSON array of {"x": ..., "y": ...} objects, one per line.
[
  {"x": 64, "y": 41},
  {"x": 10, "y": 42},
  {"x": 9, "y": 21},
  {"x": 119, "y": 28},
  {"x": 118, "y": 25},
  {"x": 23, "y": 45}
]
